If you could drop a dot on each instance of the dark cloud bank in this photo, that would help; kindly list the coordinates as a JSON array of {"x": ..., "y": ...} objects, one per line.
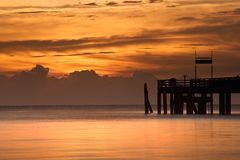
[{"x": 35, "y": 87}]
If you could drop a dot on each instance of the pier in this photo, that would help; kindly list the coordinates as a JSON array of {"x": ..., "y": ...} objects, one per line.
[{"x": 196, "y": 95}]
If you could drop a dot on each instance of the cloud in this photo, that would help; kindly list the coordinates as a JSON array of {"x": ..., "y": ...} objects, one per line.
[
  {"x": 91, "y": 4},
  {"x": 35, "y": 87},
  {"x": 32, "y": 12},
  {"x": 136, "y": 16},
  {"x": 188, "y": 19},
  {"x": 83, "y": 75},
  {"x": 44, "y": 7},
  {"x": 84, "y": 43},
  {"x": 38, "y": 56},
  {"x": 213, "y": 29},
  {"x": 172, "y": 5},
  {"x": 219, "y": 34},
  {"x": 236, "y": 11},
  {"x": 233, "y": 12},
  {"x": 208, "y": 34},
  {"x": 200, "y": 2},
  {"x": 106, "y": 52},
  {"x": 196, "y": 44},
  {"x": 175, "y": 65},
  {"x": 38, "y": 72},
  {"x": 85, "y": 54},
  {"x": 155, "y": 1},
  {"x": 112, "y": 3},
  {"x": 132, "y": 2}
]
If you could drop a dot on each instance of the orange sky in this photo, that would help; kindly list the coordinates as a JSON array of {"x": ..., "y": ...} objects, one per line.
[{"x": 157, "y": 36}]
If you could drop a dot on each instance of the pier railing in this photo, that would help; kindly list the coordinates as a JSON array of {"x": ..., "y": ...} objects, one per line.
[
  {"x": 171, "y": 83},
  {"x": 197, "y": 83}
]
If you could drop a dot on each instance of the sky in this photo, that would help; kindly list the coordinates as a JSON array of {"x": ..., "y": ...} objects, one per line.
[{"x": 118, "y": 37}]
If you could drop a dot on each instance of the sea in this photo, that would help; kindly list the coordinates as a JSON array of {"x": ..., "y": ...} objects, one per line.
[{"x": 115, "y": 132}]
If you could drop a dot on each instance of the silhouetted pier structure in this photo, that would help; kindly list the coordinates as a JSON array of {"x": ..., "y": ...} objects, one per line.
[{"x": 196, "y": 95}]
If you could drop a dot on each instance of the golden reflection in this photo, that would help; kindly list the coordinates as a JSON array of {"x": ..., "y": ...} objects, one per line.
[{"x": 138, "y": 139}]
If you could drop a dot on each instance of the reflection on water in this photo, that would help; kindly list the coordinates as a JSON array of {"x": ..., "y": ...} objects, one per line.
[{"x": 141, "y": 137}]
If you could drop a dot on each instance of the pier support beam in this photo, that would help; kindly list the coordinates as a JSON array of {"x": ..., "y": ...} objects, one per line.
[
  {"x": 211, "y": 103},
  {"x": 165, "y": 102},
  {"x": 159, "y": 102},
  {"x": 171, "y": 103},
  {"x": 203, "y": 104},
  {"x": 221, "y": 103},
  {"x": 228, "y": 103},
  {"x": 176, "y": 103},
  {"x": 190, "y": 103},
  {"x": 146, "y": 109},
  {"x": 180, "y": 103}
]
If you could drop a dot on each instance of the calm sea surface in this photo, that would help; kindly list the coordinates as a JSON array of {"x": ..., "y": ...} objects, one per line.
[{"x": 114, "y": 132}]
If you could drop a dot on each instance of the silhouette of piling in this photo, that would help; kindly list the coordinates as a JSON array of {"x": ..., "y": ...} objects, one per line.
[
  {"x": 202, "y": 104},
  {"x": 190, "y": 103},
  {"x": 221, "y": 103},
  {"x": 181, "y": 103},
  {"x": 211, "y": 103},
  {"x": 159, "y": 102},
  {"x": 165, "y": 102},
  {"x": 171, "y": 103},
  {"x": 177, "y": 103},
  {"x": 228, "y": 103},
  {"x": 148, "y": 107}
]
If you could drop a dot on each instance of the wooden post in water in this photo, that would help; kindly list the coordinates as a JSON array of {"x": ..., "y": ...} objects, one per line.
[
  {"x": 171, "y": 103},
  {"x": 181, "y": 103},
  {"x": 222, "y": 103},
  {"x": 189, "y": 104},
  {"x": 195, "y": 108},
  {"x": 172, "y": 83},
  {"x": 204, "y": 103},
  {"x": 146, "y": 108},
  {"x": 146, "y": 100},
  {"x": 228, "y": 103},
  {"x": 165, "y": 102},
  {"x": 159, "y": 99},
  {"x": 159, "y": 102},
  {"x": 211, "y": 102},
  {"x": 176, "y": 103}
]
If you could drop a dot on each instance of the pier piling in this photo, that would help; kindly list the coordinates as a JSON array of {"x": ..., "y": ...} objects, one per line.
[
  {"x": 165, "y": 102},
  {"x": 228, "y": 103},
  {"x": 159, "y": 102},
  {"x": 171, "y": 103},
  {"x": 221, "y": 103},
  {"x": 148, "y": 107},
  {"x": 211, "y": 103}
]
